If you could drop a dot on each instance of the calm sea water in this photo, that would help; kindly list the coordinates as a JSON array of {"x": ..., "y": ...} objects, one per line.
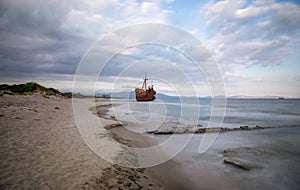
[
  {"x": 278, "y": 154},
  {"x": 252, "y": 112}
]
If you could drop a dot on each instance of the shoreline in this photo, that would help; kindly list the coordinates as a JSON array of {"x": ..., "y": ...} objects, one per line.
[
  {"x": 156, "y": 173},
  {"x": 238, "y": 158},
  {"x": 161, "y": 174},
  {"x": 40, "y": 138},
  {"x": 135, "y": 178}
]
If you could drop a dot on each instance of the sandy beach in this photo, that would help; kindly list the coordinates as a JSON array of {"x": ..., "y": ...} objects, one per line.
[{"x": 41, "y": 148}]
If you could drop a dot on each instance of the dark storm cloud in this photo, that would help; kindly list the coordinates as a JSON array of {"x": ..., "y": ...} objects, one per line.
[
  {"x": 52, "y": 36},
  {"x": 33, "y": 41}
]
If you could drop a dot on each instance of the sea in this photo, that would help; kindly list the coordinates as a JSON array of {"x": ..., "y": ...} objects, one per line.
[{"x": 273, "y": 152}]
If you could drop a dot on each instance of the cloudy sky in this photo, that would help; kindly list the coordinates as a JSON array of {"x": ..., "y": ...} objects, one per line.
[{"x": 255, "y": 43}]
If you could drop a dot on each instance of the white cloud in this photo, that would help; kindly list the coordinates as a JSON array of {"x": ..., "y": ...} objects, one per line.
[
  {"x": 259, "y": 32},
  {"x": 149, "y": 7},
  {"x": 194, "y": 31}
]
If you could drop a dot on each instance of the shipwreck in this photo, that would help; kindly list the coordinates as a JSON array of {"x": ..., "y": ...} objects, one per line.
[{"x": 144, "y": 94}]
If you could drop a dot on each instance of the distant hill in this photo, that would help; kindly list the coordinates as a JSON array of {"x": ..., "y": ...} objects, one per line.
[
  {"x": 252, "y": 97},
  {"x": 131, "y": 95}
]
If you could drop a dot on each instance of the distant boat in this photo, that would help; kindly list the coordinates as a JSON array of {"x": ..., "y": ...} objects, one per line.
[
  {"x": 280, "y": 98},
  {"x": 143, "y": 94}
]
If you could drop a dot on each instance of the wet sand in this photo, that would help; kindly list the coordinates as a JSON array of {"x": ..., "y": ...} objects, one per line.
[
  {"x": 162, "y": 173},
  {"x": 174, "y": 175},
  {"x": 170, "y": 175}
]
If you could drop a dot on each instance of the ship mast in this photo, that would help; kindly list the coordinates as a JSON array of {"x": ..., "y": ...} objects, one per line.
[{"x": 145, "y": 83}]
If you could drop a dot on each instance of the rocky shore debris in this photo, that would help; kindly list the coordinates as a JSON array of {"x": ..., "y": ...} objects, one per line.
[
  {"x": 237, "y": 164},
  {"x": 201, "y": 130},
  {"x": 102, "y": 111},
  {"x": 241, "y": 150},
  {"x": 114, "y": 125},
  {"x": 245, "y": 158},
  {"x": 117, "y": 138}
]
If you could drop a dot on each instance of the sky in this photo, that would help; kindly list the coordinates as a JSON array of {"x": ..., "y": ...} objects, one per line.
[{"x": 254, "y": 43}]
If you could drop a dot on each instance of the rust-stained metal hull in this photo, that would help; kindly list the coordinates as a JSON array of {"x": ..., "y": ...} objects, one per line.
[{"x": 142, "y": 95}]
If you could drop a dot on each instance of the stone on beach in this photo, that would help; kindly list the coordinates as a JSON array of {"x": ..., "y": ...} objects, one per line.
[
  {"x": 114, "y": 125},
  {"x": 243, "y": 157},
  {"x": 183, "y": 130},
  {"x": 241, "y": 150},
  {"x": 237, "y": 164},
  {"x": 244, "y": 127}
]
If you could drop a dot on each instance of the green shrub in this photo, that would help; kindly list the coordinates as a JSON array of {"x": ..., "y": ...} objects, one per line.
[{"x": 28, "y": 88}]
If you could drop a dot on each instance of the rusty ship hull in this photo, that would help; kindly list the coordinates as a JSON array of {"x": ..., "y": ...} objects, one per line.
[
  {"x": 142, "y": 95},
  {"x": 145, "y": 94}
]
